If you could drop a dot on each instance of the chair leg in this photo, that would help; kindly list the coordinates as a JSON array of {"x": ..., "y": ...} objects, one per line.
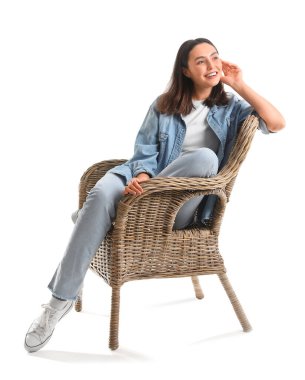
[
  {"x": 235, "y": 303},
  {"x": 79, "y": 301},
  {"x": 114, "y": 319},
  {"x": 197, "y": 287}
]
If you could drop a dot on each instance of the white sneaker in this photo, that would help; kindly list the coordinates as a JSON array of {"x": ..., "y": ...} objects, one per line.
[{"x": 41, "y": 329}]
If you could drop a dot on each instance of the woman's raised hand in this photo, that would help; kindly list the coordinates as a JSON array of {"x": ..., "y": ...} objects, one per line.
[{"x": 232, "y": 74}]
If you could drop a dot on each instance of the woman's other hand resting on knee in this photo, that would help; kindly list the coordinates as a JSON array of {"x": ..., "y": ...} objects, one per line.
[{"x": 133, "y": 187}]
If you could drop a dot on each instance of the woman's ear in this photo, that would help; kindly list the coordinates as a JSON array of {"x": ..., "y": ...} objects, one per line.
[{"x": 186, "y": 72}]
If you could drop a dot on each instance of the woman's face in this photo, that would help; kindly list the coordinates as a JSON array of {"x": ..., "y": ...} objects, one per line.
[{"x": 204, "y": 66}]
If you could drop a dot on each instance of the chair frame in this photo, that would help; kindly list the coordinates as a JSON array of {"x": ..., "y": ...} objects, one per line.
[{"x": 142, "y": 243}]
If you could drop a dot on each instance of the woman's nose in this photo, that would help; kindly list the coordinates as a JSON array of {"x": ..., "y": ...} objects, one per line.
[{"x": 210, "y": 64}]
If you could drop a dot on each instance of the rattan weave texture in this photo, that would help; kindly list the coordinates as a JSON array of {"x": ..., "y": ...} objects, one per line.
[{"x": 142, "y": 243}]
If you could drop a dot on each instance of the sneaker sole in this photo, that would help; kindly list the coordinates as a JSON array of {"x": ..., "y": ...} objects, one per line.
[{"x": 41, "y": 345}]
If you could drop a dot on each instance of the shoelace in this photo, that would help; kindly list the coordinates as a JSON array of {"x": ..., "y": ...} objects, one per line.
[
  {"x": 44, "y": 323},
  {"x": 47, "y": 316}
]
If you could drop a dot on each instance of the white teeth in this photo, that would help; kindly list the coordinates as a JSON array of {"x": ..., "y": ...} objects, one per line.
[{"x": 212, "y": 74}]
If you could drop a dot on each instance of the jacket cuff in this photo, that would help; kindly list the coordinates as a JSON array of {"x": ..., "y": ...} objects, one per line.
[
  {"x": 142, "y": 169},
  {"x": 262, "y": 125}
]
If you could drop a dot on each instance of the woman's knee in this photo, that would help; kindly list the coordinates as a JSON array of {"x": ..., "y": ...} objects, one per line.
[
  {"x": 205, "y": 162},
  {"x": 107, "y": 190}
]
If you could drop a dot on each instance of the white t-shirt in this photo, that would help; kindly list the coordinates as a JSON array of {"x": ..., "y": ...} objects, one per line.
[{"x": 198, "y": 132}]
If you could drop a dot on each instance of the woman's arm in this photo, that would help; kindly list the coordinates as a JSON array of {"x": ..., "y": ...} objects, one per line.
[{"x": 233, "y": 78}]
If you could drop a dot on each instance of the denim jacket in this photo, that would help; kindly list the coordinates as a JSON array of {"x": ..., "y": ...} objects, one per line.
[{"x": 159, "y": 140}]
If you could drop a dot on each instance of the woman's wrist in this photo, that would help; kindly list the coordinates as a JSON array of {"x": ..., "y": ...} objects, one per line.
[
  {"x": 240, "y": 87},
  {"x": 143, "y": 177}
]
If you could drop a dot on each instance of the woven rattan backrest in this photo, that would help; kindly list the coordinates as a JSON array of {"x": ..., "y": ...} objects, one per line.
[{"x": 239, "y": 152}]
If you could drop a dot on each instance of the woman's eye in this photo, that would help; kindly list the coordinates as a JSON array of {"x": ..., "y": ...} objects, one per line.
[
  {"x": 216, "y": 58},
  {"x": 200, "y": 62}
]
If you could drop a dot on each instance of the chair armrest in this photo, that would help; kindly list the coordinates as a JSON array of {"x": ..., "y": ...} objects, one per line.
[
  {"x": 160, "y": 184},
  {"x": 156, "y": 210},
  {"x": 164, "y": 196}
]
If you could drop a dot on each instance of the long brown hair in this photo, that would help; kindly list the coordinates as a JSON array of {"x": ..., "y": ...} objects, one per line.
[{"x": 178, "y": 98}]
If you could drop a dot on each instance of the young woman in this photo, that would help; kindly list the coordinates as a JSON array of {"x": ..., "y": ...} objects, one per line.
[{"x": 188, "y": 131}]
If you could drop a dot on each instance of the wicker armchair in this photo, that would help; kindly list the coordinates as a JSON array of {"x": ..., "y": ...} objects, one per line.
[{"x": 142, "y": 243}]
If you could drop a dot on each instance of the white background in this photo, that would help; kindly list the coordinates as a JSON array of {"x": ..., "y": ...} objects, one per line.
[{"x": 77, "y": 78}]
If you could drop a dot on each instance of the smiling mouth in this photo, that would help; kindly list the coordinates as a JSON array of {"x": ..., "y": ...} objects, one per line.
[{"x": 212, "y": 74}]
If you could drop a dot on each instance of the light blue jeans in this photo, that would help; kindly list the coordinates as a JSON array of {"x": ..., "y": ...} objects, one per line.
[{"x": 99, "y": 211}]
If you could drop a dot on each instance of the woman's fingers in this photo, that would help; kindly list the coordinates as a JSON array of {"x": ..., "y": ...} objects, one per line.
[
  {"x": 133, "y": 188},
  {"x": 228, "y": 64},
  {"x": 229, "y": 67},
  {"x": 232, "y": 73}
]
